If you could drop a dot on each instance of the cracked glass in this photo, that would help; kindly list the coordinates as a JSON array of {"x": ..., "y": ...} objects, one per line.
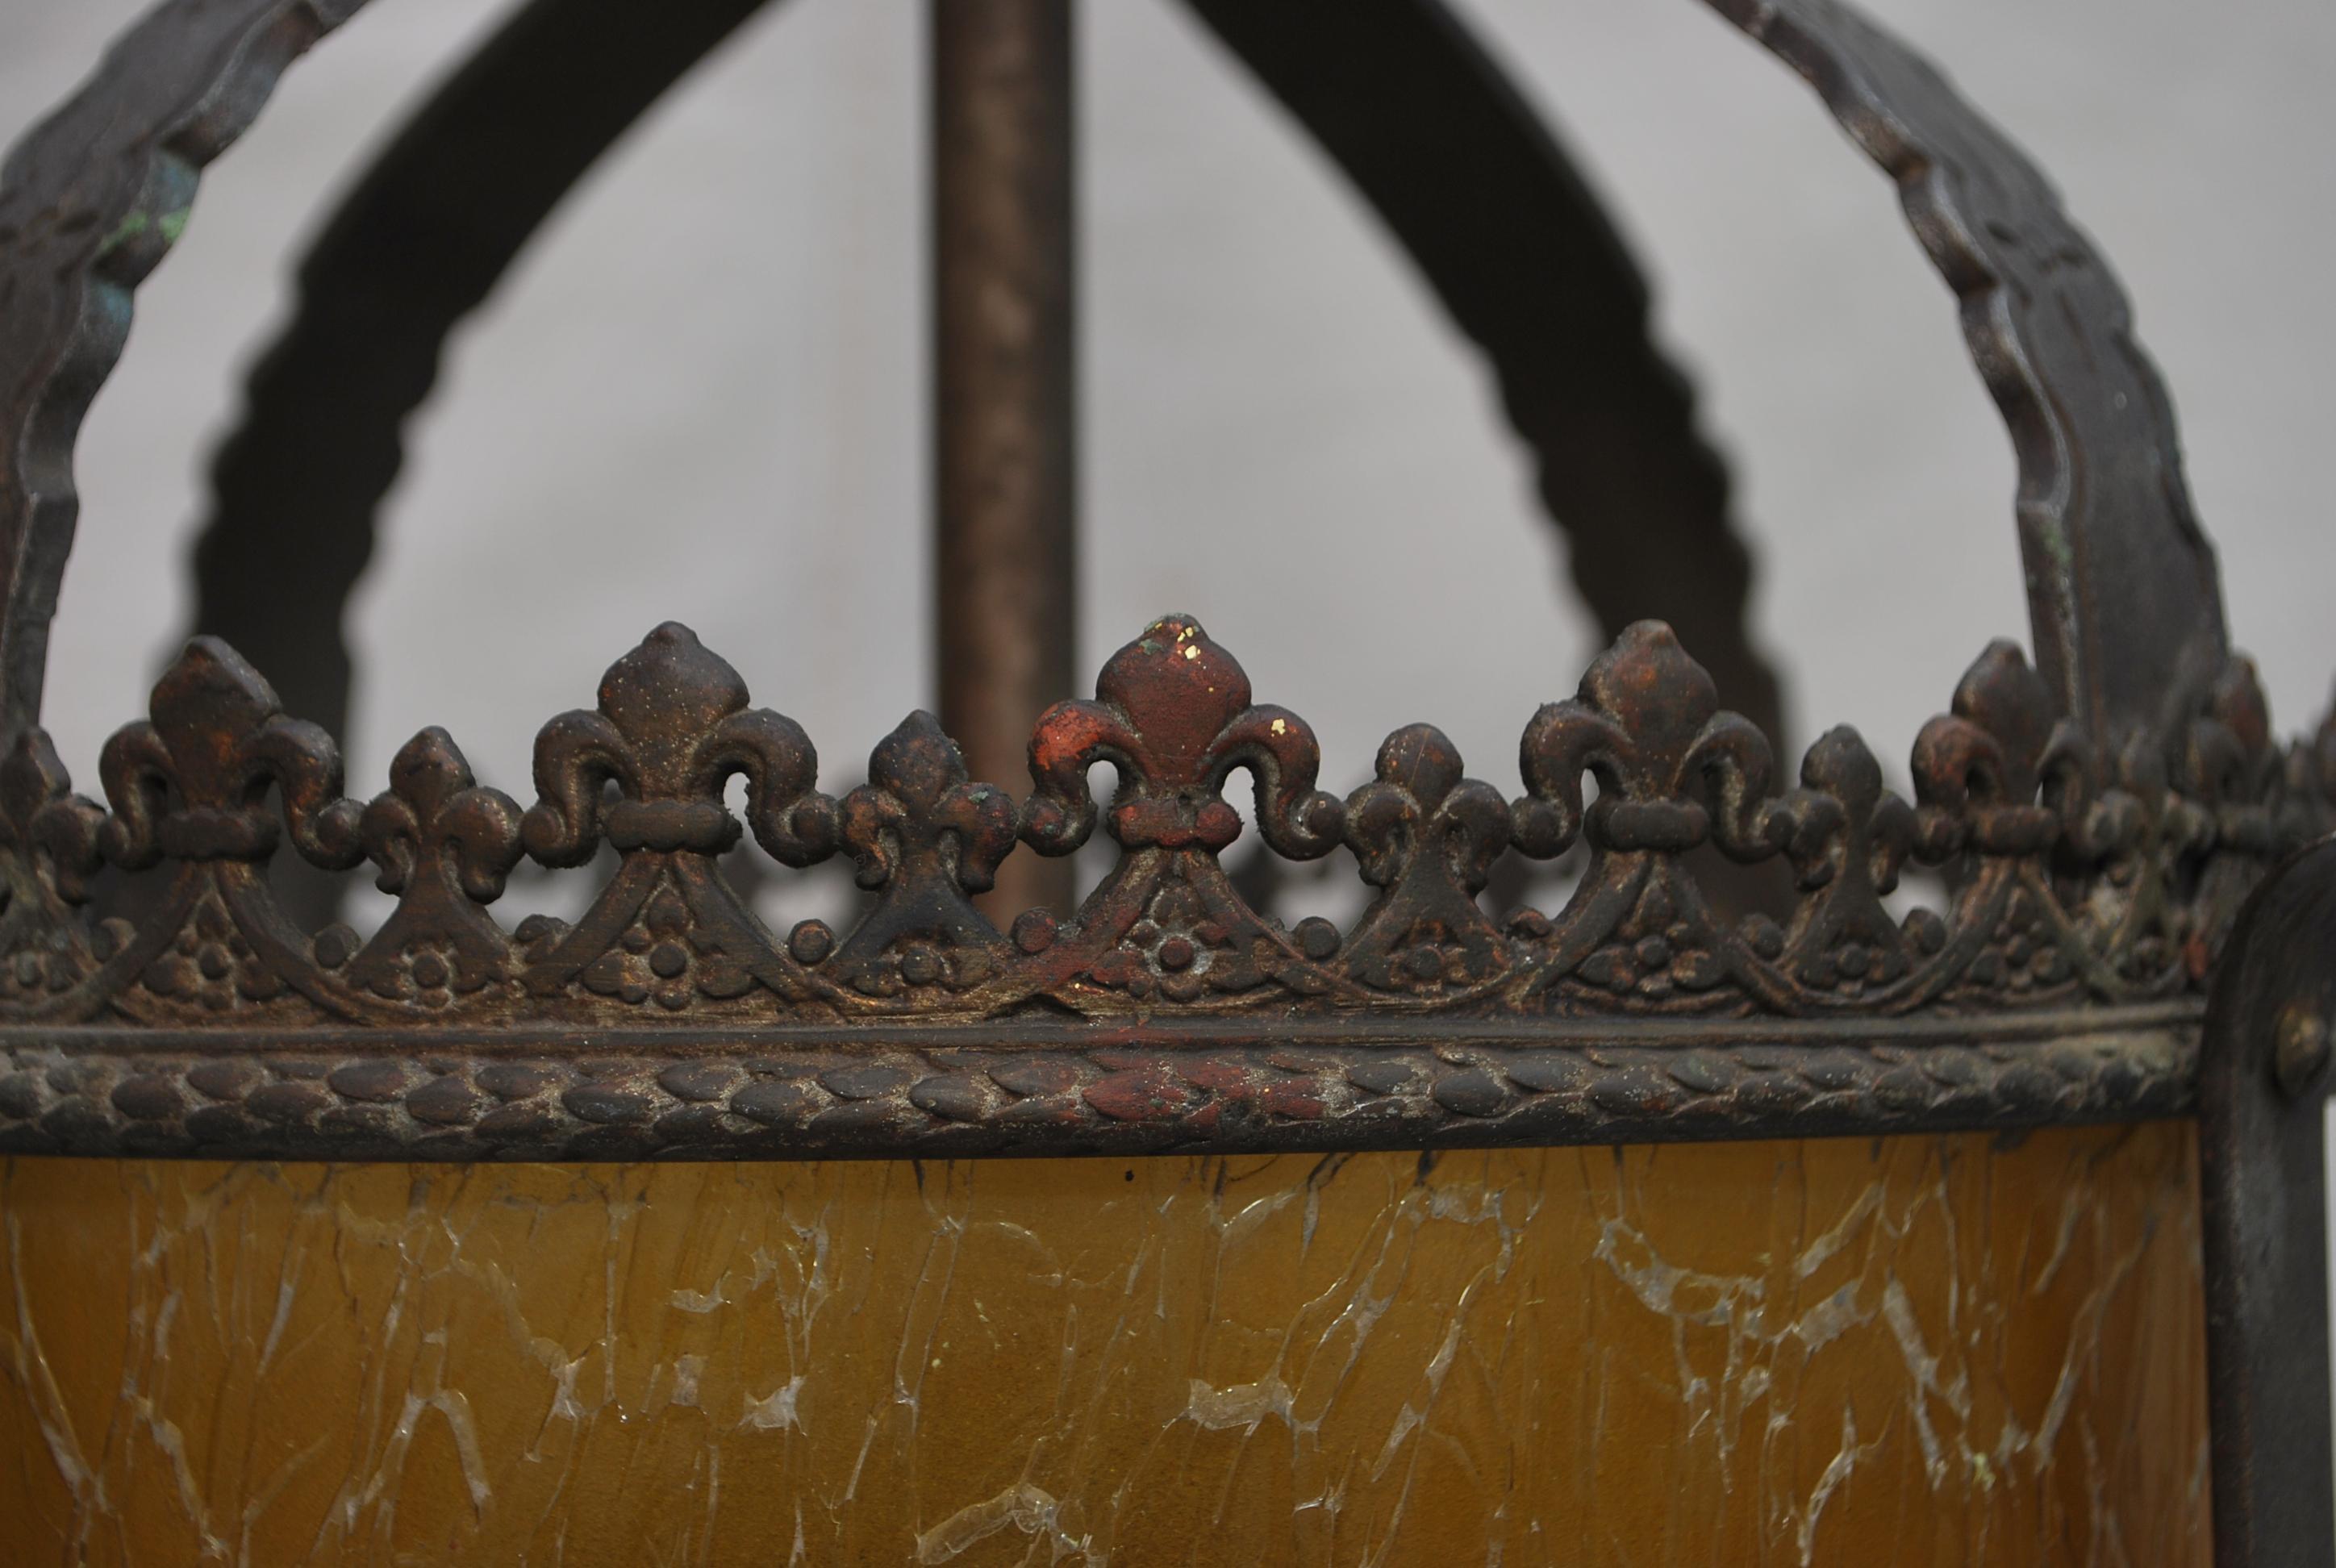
[{"x": 1937, "y": 1350}]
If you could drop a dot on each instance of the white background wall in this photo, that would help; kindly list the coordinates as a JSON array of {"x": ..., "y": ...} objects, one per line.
[{"x": 700, "y": 396}]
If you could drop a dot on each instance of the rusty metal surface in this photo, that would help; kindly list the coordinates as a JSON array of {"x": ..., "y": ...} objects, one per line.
[
  {"x": 2093, "y": 864},
  {"x": 2076, "y": 878},
  {"x": 1005, "y": 400},
  {"x": 2263, "y": 1097},
  {"x": 1174, "y": 1012},
  {"x": 1038, "y": 1085}
]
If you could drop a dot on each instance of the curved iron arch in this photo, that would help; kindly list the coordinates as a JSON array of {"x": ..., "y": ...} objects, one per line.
[
  {"x": 2122, "y": 585},
  {"x": 1505, "y": 233}
]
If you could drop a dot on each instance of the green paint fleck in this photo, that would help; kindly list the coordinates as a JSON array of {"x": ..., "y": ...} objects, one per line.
[
  {"x": 2056, "y": 545},
  {"x": 131, "y": 226},
  {"x": 134, "y": 225}
]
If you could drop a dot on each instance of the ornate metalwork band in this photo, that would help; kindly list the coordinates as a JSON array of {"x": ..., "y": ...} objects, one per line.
[
  {"x": 2085, "y": 897},
  {"x": 1045, "y": 1086}
]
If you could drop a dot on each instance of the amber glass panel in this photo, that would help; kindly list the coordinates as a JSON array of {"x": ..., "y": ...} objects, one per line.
[{"x": 1908, "y": 1351}]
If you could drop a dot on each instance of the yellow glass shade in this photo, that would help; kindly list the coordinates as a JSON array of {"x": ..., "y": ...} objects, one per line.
[{"x": 1907, "y": 1350}]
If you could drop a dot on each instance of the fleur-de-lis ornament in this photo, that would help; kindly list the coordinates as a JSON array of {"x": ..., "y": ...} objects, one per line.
[
  {"x": 443, "y": 843},
  {"x": 924, "y": 836},
  {"x": 2224, "y": 821},
  {"x": 2226, "y": 762},
  {"x": 2075, "y": 871},
  {"x": 646, "y": 770},
  {"x": 2000, "y": 780},
  {"x": 1979, "y": 766},
  {"x": 218, "y": 737},
  {"x": 1674, "y": 771},
  {"x": 1172, "y": 713},
  {"x": 1672, "y": 768},
  {"x": 1849, "y": 838},
  {"x": 673, "y": 727},
  {"x": 191, "y": 783},
  {"x": 1426, "y": 837}
]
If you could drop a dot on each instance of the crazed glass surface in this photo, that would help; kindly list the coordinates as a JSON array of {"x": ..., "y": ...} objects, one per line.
[{"x": 1906, "y": 1351}]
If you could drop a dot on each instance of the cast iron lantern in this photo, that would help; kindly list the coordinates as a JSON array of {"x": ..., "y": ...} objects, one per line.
[{"x": 2138, "y": 905}]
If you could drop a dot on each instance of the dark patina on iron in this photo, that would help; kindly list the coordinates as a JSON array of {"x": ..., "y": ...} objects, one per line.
[{"x": 2097, "y": 823}]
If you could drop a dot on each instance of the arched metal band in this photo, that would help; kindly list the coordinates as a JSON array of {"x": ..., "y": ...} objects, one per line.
[
  {"x": 89, "y": 201},
  {"x": 2122, "y": 583},
  {"x": 2122, "y": 588},
  {"x": 1433, "y": 136}
]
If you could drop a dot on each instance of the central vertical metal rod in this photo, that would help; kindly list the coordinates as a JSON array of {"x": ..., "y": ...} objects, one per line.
[{"x": 1004, "y": 563}]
